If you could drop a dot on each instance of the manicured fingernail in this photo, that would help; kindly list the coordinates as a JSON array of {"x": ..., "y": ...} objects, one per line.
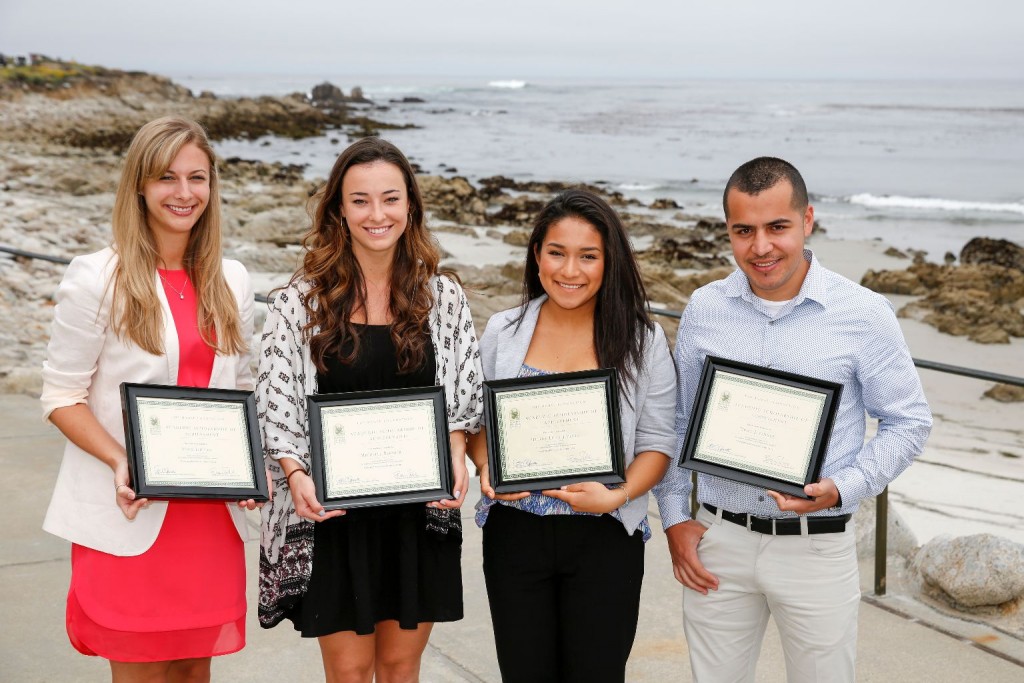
[
  {"x": 322, "y": 513},
  {"x": 457, "y": 493}
]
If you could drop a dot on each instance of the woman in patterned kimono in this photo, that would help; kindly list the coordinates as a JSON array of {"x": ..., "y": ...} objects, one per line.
[{"x": 367, "y": 310}]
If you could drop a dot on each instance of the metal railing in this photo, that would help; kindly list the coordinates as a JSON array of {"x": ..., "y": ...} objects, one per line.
[{"x": 881, "y": 501}]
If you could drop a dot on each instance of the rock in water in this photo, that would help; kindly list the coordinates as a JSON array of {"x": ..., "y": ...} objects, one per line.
[
  {"x": 972, "y": 571},
  {"x": 327, "y": 94}
]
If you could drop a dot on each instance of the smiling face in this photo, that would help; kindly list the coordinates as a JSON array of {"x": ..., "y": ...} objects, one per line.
[
  {"x": 177, "y": 198},
  {"x": 767, "y": 235},
  {"x": 375, "y": 205},
  {"x": 570, "y": 263}
]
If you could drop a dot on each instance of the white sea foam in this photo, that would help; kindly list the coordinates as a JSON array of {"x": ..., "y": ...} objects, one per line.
[
  {"x": 938, "y": 204},
  {"x": 511, "y": 84},
  {"x": 636, "y": 187}
]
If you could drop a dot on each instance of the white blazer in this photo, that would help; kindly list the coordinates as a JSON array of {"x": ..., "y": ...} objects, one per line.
[{"x": 86, "y": 363}]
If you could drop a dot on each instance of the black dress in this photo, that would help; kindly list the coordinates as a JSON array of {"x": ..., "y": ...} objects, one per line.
[{"x": 379, "y": 563}]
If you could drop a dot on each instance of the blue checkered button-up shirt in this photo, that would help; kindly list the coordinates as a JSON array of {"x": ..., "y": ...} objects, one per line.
[{"x": 834, "y": 330}]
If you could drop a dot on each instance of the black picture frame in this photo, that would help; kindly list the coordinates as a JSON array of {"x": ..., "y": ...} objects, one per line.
[
  {"x": 320, "y": 409},
  {"x": 815, "y": 433},
  {"x": 505, "y": 479},
  {"x": 159, "y": 419}
]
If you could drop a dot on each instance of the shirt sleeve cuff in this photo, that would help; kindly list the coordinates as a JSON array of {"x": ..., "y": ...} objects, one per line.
[
  {"x": 673, "y": 510},
  {"x": 850, "y": 484}
]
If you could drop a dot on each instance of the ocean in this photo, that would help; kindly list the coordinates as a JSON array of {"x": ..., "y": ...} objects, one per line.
[{"x": 919, "y": 165}]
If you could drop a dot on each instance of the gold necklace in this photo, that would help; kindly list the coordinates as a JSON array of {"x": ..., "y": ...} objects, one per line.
[{"x": 179, "y": 292}]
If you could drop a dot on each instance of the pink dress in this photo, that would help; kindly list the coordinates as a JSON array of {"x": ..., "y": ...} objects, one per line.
[{"x": 185, "y": 596}]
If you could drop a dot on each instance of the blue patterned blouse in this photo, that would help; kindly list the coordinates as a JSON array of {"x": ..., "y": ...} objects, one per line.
[{"x": 538, "y": 503}]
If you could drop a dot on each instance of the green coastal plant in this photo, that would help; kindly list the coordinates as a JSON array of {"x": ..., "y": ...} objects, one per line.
[{"x": 49, "y": 72}]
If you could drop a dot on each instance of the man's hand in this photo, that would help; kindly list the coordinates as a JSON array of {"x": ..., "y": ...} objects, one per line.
[
  {"x": 682, "y": 545},
  {"x": 825, "y": 495}
]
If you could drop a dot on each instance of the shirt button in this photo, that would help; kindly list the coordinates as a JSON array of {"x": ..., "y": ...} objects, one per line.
[
  {"x": 771, "y": 322},
  {"x": 760, "y": 499}
]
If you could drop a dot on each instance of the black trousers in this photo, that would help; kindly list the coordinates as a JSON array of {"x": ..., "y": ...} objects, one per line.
[{"x": 564, "y": 592}]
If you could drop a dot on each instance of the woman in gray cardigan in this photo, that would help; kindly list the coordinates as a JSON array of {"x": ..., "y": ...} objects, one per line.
[{"x": 563, "y": 567}]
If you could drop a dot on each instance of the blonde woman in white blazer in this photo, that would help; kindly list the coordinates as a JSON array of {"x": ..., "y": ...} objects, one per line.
[{"x": 157, "y": 588}]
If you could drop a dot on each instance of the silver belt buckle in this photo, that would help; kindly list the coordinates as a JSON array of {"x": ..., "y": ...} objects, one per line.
[
  {"x": 749, "y": 517},
  {"x": 773, "y": 527}
]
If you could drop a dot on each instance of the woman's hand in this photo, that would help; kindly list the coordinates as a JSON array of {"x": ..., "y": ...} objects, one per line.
[
  {"x": 80, "y": 426},
  {"x": 460, "y": 474},
  {"x": 251, "y": 504},
  {"x": 478, "y": 453},
  {"x": 304, "y": 497},
  {"x": 488, "y": 490},
  {"x": 589, "y": 496},
  {"x": 123, "y": 494}
]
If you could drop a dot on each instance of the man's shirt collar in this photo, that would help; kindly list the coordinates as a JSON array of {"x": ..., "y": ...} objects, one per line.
[{"x": 813, "y": 286}]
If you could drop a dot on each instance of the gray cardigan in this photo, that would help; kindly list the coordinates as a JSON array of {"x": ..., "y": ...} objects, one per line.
[{"x": 646, "y": 408}]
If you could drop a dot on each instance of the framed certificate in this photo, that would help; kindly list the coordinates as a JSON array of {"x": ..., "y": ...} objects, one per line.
[
  {"x": 758, "y": 426},
  {"x": 380, "y": 447},
  {"x": 184, "y": 442},
  {"x": 547, "y": 431}
]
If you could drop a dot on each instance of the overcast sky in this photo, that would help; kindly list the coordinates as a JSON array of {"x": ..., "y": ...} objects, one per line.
[{"x": 789, "y": 39}]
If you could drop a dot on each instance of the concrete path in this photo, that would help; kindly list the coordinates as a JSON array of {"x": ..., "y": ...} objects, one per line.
[{"x": 34, "y": 572}]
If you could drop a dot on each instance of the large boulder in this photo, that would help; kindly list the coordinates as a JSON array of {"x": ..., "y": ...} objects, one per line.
[
  {"x": 993, "y": 252},
  {"x": 901, "y": 540},
  {"x": 972, "y": 571}
]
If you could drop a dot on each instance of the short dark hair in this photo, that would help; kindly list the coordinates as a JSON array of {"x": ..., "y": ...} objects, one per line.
[
  {"x": 764, "y": 173},
  {"x": 620, "y": 317}
]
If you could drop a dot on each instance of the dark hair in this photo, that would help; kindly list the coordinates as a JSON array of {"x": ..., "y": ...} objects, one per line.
[
  {"x": 338, "y": 288},
  {"x": 764, "y": 173},
  {"x": 620, "y": 316}
]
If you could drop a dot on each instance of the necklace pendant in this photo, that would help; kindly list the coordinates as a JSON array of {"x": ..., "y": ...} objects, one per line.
[{"x": 181, "y": 295}]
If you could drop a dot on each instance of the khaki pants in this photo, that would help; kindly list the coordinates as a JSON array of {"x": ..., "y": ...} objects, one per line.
[{"x": 809, "y": 583}]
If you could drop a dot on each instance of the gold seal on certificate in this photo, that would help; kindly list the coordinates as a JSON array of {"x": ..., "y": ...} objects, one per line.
[
  {"x": 380, "y": 447},
  {"x": 759, "y": 426},
  {"x": 185, "y": 442},
  {"x": 547, "y": 431}
]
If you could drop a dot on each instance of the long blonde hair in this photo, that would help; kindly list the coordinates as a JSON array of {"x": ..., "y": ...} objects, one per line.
[{"x": 136, "y": 312}]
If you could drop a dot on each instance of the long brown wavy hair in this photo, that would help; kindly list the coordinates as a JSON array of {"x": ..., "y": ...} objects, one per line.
[
  {"x": 136, "y": 311},
  {"x": 338, "y": 289}
]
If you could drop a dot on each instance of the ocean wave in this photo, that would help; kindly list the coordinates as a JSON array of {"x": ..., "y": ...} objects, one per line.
[
  {"x": 636, "y": 187},
  {"x": 510, "y": 85},
  {"x": 896, "y": 201},
  {"x": 1016, "y": 111}
]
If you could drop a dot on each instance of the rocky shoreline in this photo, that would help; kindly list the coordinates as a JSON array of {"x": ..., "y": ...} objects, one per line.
[{"x": 60, "y": 146}]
